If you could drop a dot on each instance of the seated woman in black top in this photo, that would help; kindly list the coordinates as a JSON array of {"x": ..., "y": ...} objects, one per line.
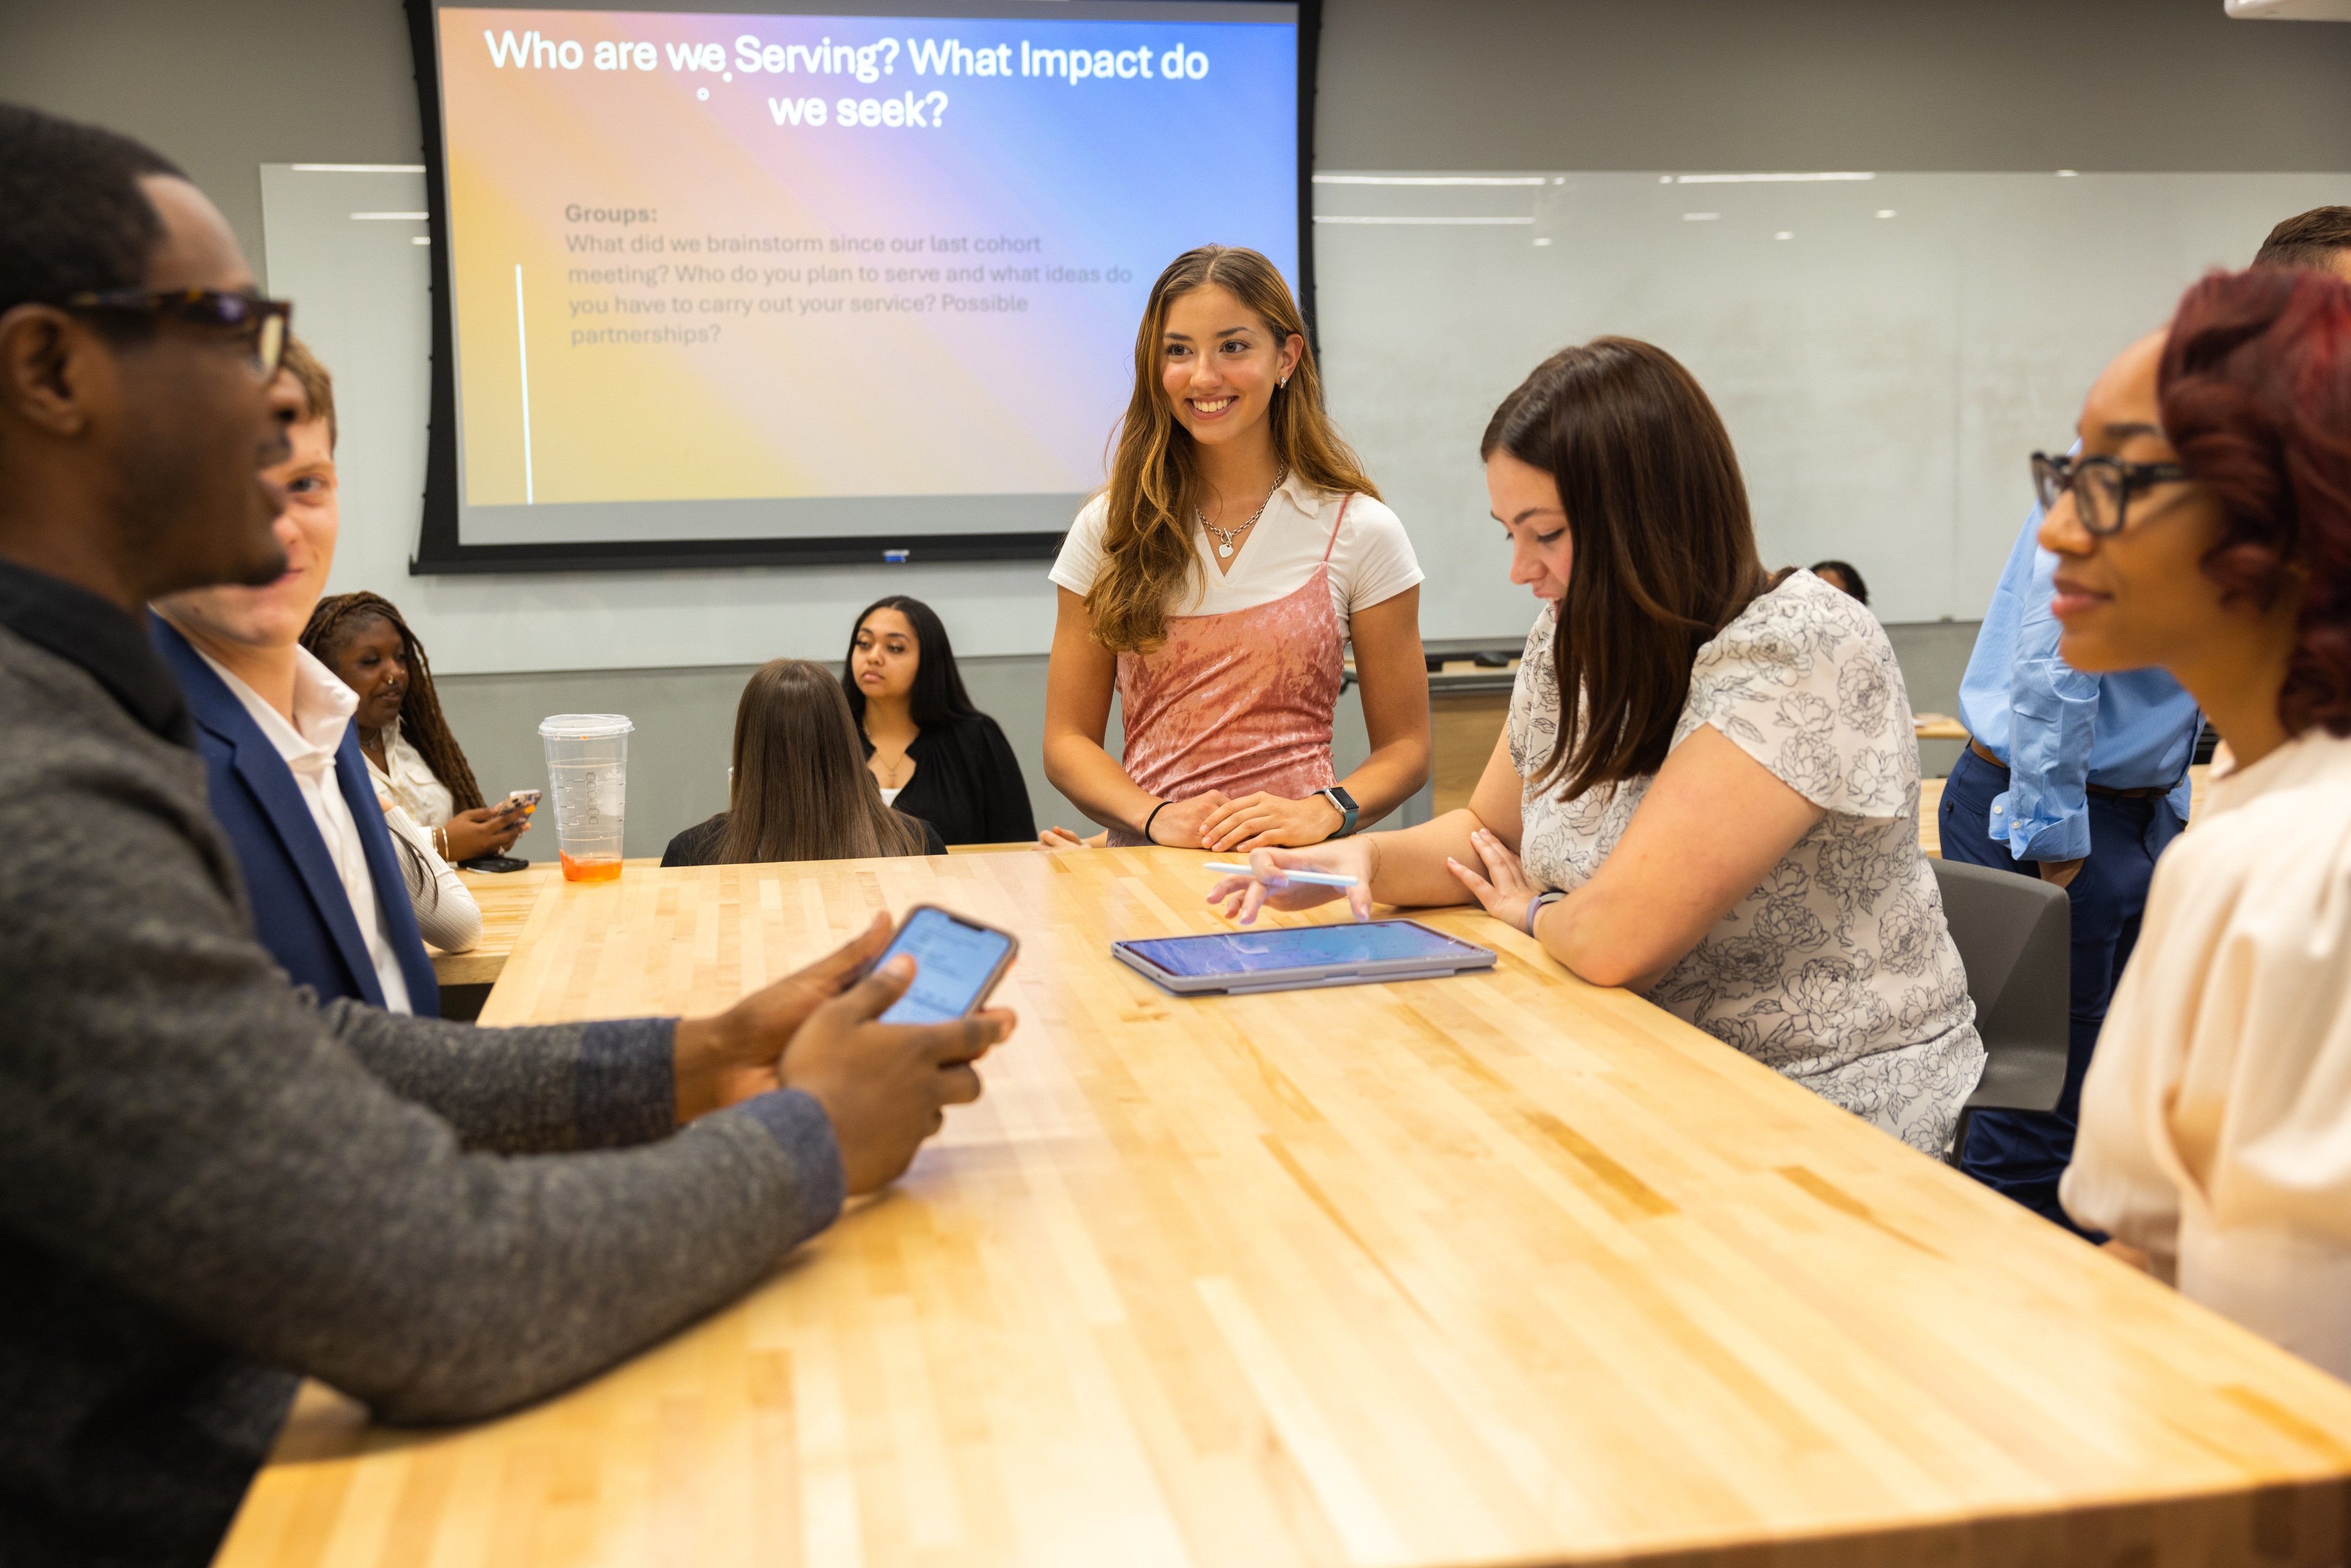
[
  {"x": 934, "y": 755},
  {"x": 799, "y": 793}
]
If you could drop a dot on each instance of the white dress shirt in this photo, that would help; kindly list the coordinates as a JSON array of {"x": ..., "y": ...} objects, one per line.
[
  {"x": 323, "y": 706},
  {"x": 2216, "y": 1118}
]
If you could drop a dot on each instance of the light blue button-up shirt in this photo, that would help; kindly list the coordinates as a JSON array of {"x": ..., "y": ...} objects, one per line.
[{"x": 2058, "y": 729}]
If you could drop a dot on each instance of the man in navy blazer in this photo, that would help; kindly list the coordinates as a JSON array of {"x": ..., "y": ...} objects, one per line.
[
  {"x": 330, "y": 893},
  {"x": 301, "y": 910}
]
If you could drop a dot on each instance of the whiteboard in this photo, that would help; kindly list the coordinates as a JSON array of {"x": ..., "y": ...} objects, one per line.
[
  {"x": 1883, "y": 380},
  {"x": 1885, "y": 350}
]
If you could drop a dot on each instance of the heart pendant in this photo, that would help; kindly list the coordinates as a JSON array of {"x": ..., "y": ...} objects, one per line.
[{"x": 1224, "y": 551}]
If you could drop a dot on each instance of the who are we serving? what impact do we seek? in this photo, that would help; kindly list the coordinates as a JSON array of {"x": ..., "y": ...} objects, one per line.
[{"x": 864, "y": 62}]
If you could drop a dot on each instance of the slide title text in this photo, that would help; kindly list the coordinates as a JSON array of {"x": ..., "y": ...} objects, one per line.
[{"x": 864, "y": 62}]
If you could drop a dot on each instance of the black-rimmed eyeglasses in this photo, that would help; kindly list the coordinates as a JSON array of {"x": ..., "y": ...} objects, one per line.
[
  {"x": 2102, "y": 487},
  {"x": 263, "y": 323}
]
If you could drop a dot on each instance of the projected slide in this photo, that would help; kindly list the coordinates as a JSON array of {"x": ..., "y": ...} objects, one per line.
[{"x": 736, "y": 276}]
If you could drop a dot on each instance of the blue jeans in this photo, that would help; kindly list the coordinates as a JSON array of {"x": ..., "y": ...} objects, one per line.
[{"x": 2023, "y": 1153}]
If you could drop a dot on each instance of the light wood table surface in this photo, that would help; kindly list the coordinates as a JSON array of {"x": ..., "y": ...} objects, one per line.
[
  {"x": 1937, "y": 726},
  {"x": 1500, "y": 1268},
  {"x": 506, "y": 900}
]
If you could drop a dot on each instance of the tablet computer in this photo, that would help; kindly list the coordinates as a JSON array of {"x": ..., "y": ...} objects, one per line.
[{"x": 1295, "y": 957}]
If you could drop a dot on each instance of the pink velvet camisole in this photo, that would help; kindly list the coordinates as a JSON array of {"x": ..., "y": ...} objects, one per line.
[{"x": 1239, "y": 702}]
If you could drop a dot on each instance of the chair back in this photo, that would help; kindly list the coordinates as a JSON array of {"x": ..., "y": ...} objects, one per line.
[{"x": 2015, "y": 934}]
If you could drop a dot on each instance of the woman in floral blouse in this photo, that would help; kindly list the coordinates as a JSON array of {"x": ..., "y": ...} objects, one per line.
[{"x": 1728, "y": 819}]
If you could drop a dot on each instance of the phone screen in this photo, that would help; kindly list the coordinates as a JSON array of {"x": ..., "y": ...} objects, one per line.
[{"x": 953, "y": 961}]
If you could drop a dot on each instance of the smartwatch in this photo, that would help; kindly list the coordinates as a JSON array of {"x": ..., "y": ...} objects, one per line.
[
  {"x": 1347, "y": 809},
  {"x": 1535, "y": 904}
]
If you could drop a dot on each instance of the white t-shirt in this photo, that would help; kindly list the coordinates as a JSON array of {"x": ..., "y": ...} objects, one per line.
[
  {"x": 1371, "y": 563},
  {"x": 323, "y": 706}
]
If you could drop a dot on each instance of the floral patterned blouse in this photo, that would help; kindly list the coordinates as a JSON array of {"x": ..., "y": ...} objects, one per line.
[{"x": 1838, "y": 971}]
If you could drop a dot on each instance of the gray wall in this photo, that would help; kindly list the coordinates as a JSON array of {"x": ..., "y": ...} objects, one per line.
[
  {"x": 1982, "y": 85},
  {"x": 684, "y": 733},
  {"x": 685, "y": 724},
  {"x": 223, "y": 86}
]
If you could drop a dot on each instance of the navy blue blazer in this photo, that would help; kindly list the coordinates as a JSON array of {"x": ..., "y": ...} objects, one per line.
[{"x": 301, "y": 910}]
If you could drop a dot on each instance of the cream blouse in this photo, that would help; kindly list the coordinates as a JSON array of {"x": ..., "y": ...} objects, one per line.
[
  {"x": 2216, "y": 1118},
  {"x": 411, "y": 784},
  {"x": 415, "y": 802},
  {"x": 447, "y": 914}
]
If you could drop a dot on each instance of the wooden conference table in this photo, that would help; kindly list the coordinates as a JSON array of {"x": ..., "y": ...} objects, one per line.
[
  {"x": 1503, "y": 1269},
  {"x": 506, "y": 899}
]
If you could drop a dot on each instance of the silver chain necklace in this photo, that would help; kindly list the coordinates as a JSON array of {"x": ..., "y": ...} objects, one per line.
[{"x": 1228, "y": 538}]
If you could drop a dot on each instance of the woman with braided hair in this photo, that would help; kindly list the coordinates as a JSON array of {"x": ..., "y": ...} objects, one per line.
[{"x": 415, "y": 761}]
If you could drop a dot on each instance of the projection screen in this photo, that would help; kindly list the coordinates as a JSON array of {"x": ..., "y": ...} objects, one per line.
[{"x": 770, "y": 287}]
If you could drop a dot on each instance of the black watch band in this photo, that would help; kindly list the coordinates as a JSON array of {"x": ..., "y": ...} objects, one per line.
[{"x": 1347, "y": 809}]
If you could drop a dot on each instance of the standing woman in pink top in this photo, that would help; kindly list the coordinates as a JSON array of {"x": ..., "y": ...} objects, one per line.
[{"x": 1216, "y": 582}]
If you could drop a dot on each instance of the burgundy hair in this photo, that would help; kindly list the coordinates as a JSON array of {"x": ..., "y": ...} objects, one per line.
[{"x": 2255, "y": 388}]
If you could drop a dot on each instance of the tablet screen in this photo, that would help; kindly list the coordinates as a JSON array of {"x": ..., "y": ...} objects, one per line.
[{"x": 1300, "y": 948}]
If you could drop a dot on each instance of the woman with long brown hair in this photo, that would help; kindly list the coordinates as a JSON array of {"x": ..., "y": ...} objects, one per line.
[
  {"x": 799, "y": 788},
  {"x": 1708, "y": 789},
  {"x": 1217, "y": 581}
]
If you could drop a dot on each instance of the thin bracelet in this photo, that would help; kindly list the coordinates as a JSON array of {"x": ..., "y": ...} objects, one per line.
[
  {"x": 441, "y": 843},
  {"x": 1152, "y": 817}
]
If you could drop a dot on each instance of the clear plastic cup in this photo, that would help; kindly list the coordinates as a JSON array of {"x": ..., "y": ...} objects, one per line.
[{"x": 588, "y": 774}]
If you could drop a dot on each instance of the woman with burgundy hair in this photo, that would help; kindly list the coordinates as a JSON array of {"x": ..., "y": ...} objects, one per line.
[{"x": 2205, "y": 527}]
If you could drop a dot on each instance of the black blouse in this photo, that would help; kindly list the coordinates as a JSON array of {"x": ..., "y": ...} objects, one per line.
[
  {"x": 967, "y": 783},
  {"x": 698, "y": 845}
]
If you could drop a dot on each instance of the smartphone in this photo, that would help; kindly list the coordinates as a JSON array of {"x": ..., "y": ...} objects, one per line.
[
  {"x": 525, "y": 799},
  {"x": 957, "y": 962}
]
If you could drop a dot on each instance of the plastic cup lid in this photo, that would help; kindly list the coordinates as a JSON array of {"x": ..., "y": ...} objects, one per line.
[{"x": 585, "y": 725}]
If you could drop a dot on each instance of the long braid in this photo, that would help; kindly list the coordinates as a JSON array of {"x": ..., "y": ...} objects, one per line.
[{"x": 421, "y": 720}]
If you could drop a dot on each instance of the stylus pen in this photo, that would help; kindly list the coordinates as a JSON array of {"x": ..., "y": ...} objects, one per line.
[{"x": 1318, "y": 878}]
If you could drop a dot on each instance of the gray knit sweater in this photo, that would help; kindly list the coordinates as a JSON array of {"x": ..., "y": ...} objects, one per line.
[{"x": 210, "y": 1185}]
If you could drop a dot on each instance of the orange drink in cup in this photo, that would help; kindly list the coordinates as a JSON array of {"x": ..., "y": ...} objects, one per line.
[{"x": 588, "y": 775}]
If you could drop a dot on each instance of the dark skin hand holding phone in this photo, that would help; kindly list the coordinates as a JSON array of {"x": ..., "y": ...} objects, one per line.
[
  {"x": 885, "y": 1087},
  {"x": 485, "y": 830}
]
